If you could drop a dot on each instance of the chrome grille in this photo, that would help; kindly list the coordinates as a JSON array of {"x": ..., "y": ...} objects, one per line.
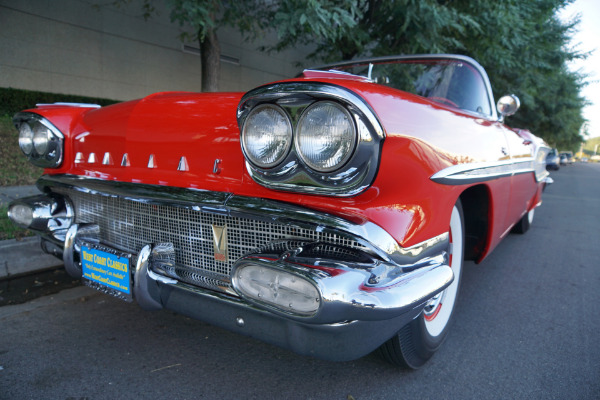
[{"x": 129, "y": 225}]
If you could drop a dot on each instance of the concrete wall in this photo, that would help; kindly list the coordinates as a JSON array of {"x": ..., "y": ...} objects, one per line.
[{"x": 86, "y": 48}]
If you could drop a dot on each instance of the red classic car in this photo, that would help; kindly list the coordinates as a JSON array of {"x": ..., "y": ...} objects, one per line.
[{"x": 329, "y": 214}]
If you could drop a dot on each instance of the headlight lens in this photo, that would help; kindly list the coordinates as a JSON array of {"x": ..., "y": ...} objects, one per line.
[
  {"x": 267, "y": 136},
  {"x": 326, "y": 136},
  {"x": 41, "y": 136},
  {"x": 25, "y": 138}
]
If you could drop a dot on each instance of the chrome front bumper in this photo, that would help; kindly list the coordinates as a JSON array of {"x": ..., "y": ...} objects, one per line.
[{"x": 366, "y": 294}]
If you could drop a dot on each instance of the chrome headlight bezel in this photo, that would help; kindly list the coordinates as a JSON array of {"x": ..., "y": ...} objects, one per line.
[
  {"x": 278, "y": 152},
  {"x": 352, "y": 175},
  {"x": 39, "y": 140}
]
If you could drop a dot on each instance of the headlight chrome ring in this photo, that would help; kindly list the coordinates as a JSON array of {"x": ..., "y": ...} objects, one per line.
[
  {"x": 267, "y": 136},
  {"x": 326, "y": 136}
]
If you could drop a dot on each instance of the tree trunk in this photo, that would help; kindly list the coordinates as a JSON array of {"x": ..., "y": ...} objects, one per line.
[{"x": 210, "y": 56}]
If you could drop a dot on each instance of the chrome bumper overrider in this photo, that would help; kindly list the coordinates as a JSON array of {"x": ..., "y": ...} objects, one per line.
[{"x": 366, "y": 294}]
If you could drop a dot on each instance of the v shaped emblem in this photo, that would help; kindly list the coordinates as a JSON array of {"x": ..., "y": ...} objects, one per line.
[{"x": 220, "y": 242}]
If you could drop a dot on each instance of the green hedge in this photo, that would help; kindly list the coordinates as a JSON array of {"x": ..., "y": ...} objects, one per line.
[{"x": 15, "y": 100}]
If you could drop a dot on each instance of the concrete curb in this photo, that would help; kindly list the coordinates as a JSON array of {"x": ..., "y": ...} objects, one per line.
[
  {"x": 10, "y": 193},
  {"x": 25, "y": 256},
  {"x": 19, "y": 257}
]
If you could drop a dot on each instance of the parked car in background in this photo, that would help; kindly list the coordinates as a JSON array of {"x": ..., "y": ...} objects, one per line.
[
  {"x": 553, "y": 160},
  {"x": 329, "y": 214},
  {"x": 567, "y": 157}
]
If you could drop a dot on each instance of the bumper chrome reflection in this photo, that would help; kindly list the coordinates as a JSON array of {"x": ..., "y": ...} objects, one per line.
[
  {"x": 352, "y": 284},
  {"x": 52, "y": 215}
]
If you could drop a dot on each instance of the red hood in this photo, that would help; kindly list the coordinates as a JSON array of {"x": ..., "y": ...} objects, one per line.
[{"x": 170, "y": 128}]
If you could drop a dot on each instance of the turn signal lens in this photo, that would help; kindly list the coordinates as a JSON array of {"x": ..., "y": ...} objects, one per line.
[
  {"x": 21, "y": 215},
  {"x": 25, "y": 138},
  {"x": 326, "y": 136},
  {"x": 266, "y": 136},
  {"x": 283, "y": 290}
]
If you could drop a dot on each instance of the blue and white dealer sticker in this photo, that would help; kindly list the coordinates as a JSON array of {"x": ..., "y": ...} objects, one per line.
[{"x": 108, "y": 270}]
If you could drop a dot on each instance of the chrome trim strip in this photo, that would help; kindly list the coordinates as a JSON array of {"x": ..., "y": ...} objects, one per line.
[
  {"x": 424, "y": 247},
  {"x": 368, "y": 234},
  {"x": 480, "y": 172},
  {"x": 60, "y": 103}
]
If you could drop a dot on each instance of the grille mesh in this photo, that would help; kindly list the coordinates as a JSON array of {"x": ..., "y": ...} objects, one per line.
[{"x": 129, "y": 225}]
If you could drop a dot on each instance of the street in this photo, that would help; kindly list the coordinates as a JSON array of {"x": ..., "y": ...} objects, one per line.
[{"x": 527, "y": 326}]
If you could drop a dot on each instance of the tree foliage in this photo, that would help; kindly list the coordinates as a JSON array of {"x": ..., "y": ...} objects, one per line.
[
  {"x": 296, "y": 21},
  {"x": 525, "y": 50},
  {"x": 522, "y": 45}
]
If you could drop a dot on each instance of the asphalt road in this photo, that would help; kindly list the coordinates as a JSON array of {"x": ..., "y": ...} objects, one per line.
[{"x": 527, "y": 327}]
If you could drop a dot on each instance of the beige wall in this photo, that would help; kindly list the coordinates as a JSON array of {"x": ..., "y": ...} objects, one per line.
[{"x": 76, "y": 47}]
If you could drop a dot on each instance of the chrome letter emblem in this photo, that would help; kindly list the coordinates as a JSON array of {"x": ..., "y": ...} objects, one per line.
[{"x": 220, "y": 242}]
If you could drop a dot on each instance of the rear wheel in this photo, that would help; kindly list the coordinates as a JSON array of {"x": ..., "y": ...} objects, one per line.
[{"x": 417, "y": 341}]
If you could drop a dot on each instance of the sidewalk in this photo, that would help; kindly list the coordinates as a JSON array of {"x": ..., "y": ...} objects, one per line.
[
  {"x": 10, "y": 193},
  {"x": 18, "y": 257}
]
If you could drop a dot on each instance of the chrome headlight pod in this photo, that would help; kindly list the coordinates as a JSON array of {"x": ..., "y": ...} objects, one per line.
[
  {"x": 266, "y": 136},
  {"x": 39, "y": 140},
  {"x": 325, "y": 136},
  {"x": 337, "y": 139}
]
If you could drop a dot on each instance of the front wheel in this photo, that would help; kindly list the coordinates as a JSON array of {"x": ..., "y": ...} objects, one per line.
[
  {"x": 524, "y": 223},
  {"x": 417, "y": 341}
]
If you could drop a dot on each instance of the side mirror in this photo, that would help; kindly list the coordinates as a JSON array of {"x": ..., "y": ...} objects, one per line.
[{"x": 508, "y": 105}]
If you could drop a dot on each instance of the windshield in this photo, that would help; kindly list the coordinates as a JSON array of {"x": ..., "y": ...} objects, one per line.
[{"x": 451, "y": 82}]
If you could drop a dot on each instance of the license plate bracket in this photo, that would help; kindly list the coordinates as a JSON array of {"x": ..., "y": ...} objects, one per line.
[{"x": 107, "y": 270}]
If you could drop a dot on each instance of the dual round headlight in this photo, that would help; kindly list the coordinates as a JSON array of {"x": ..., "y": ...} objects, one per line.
[
  {"x": 34, "y": 138},
  {"x": 325, "y": 136},
  {"x": 39, "y": 141}
]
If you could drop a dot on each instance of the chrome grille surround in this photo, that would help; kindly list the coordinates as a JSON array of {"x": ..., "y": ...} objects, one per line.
[{"x": 129, "y": 224}]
